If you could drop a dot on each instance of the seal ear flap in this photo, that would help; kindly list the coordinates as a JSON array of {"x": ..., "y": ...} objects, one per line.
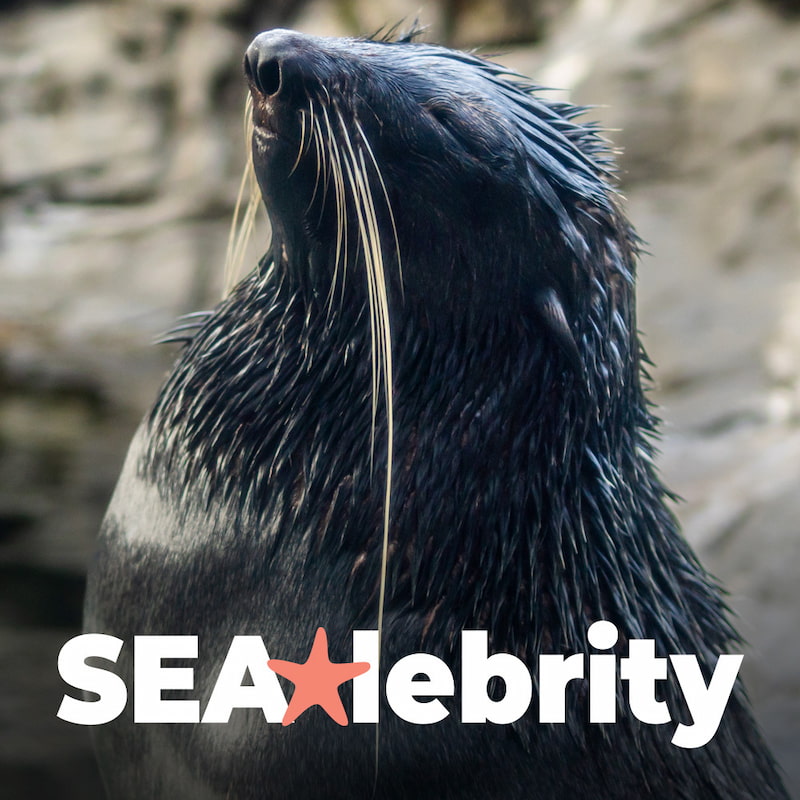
[{"x": 550, "y": 311}]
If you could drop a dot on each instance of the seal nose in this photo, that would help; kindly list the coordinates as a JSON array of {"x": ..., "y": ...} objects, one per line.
[{"x": 272, "y": 60}]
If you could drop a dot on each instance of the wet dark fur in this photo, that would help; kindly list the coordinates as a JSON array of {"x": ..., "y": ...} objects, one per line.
[{"x": 524, "y": 499}]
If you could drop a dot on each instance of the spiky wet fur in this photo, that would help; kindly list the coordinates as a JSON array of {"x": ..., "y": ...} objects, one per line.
[{"x": 447, "y": 408}]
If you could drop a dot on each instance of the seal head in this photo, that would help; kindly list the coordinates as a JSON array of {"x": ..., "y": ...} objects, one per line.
[{"x": 461, "y": 163}]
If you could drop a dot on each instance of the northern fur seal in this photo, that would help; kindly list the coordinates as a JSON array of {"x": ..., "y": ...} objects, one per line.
[{"x": 423, "y": 411}]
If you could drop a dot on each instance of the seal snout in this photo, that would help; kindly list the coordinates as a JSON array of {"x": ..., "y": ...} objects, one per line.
[{"x": 273, "y": 61}]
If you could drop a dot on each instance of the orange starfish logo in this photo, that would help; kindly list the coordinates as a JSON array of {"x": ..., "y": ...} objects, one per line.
[{"x": 316, "y": 682}]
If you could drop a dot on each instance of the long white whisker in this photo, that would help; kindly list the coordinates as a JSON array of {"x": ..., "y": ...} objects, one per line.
[
  {"x": 371, "y": 154},
  {"x": 340, "y": 257},
  {"x": 302, "y": 142},
  {"x": 319, "y": 161},
  {"x": 242, "y": 230},
  {"x": 380, "y": 325}
]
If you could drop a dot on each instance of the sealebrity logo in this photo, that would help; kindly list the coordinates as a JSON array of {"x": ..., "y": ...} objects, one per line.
[{"x": 414, "y": 684}]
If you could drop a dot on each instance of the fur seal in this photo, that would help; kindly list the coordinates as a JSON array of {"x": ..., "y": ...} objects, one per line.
[{"x": 424, "y": 412}]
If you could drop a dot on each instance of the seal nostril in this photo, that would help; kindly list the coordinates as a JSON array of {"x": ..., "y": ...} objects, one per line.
[
  {"x": 263, "y": 71},
  {"x": 268, "y": 76}
]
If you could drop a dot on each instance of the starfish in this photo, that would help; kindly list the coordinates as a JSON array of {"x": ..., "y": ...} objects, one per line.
[{"x": 316, "y": 682}]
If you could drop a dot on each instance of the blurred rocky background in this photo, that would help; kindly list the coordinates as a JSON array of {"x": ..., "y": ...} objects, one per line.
[{"x": 122, "y": 149}]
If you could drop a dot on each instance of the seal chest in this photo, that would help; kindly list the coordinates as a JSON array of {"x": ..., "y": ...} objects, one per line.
[{"x": 422, "y": 413}]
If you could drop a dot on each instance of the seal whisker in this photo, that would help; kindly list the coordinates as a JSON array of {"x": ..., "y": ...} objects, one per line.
[
  {"x": 326, "y": 166},
  {"x": 323, "y": 167},
  {"x": 380, "y": 323},
  {"x": 242, "y": 229},
  {"x": 375, "y": 350},
  {"x": 374, "y": 161},
  {"x": 320, "y": 161},
  {"x": 322, "y": 172},
  {"x": 340, "y": 253},
  {"x": 381, "y": 338},
  {"x": 300, "y": 149}
]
